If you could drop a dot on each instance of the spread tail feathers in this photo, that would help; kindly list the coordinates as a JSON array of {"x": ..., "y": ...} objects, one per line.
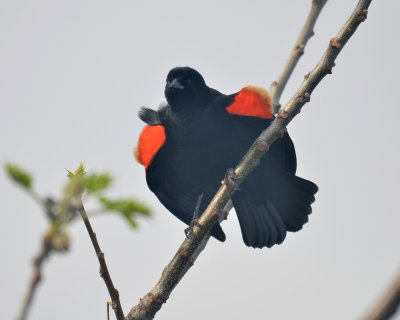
[{"x": 285, "y": 207}]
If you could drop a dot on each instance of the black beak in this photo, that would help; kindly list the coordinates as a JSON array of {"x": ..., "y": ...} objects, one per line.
[{"x": 176, "y": 84}]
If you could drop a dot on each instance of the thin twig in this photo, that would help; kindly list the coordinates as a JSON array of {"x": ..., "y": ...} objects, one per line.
[
  {"x": 306, "y": 33},
  {"x": 104, "y": 273},
  {"x": 152, "y": 302},
  {"x": 388, "y": 303},
  {"x": 36, "y": 276},
  {"x": 37, "y": 198}
]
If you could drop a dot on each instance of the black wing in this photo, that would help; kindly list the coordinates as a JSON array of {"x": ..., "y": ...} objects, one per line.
[
  {"x": 272, "y": 200},
  {"x": 176, "y": 189}
]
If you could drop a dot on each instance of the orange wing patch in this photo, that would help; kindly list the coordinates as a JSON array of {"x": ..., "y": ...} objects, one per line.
[
  {"x": 150, "y": 141},
  {"x": 252, "y": 101}
]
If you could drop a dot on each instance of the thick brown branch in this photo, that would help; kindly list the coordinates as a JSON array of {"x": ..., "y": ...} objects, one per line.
[
  {"x": 174, "y": 271},
  {"x": 36, "y": 275},
  {"x": 388, "y": 303},
  {"x": 306, "y": 33},
  {"x": 171, "y": 275},
  {"x": 104, "y": 273}
]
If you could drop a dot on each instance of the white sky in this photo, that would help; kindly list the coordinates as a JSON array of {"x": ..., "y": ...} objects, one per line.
[{"x": 73, "y": 75}]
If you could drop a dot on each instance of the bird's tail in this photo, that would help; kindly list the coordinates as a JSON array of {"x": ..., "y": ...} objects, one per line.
[{"x": 284, "y": 206}]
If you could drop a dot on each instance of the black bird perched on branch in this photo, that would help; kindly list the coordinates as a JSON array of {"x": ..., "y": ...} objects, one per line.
[{"x": 188, "y": 145}]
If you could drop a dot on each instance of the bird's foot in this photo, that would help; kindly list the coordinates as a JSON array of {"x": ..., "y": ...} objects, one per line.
[
  {"x": 189, "y": 230},
  {"x": 222, "y": 215},
  {"x": 195, "y": 221},
  {"x": 231, "y": 179}
]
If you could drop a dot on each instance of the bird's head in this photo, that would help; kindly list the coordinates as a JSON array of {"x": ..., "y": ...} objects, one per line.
[{"x": 186, "y": 88}]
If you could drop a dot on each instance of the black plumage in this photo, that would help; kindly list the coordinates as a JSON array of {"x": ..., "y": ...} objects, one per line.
[{"x": 202, "y": 141}]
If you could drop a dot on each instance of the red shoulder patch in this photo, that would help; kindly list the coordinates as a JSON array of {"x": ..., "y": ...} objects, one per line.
[
  {"x": 252, "y": 101},
  {"x": 150, "y": 141}
]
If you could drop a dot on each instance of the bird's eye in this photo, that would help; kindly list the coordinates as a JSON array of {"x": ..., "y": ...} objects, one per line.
[{"x": 168, "y": 82}]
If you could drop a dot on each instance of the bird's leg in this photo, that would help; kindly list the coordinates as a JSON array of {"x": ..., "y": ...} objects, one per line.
[
  {"x": 195, "y": 221},
  {"x": 231, "y": 179}
]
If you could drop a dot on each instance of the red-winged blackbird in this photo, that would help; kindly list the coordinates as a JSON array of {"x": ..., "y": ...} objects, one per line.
[{"x": 189, "y": 143}]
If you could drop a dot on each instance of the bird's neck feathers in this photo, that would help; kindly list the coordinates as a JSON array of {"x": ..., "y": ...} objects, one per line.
[{"x": 191, "y": 101}]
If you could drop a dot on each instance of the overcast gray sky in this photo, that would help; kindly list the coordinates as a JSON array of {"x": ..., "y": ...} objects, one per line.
[{"x": 73, "y": 75}]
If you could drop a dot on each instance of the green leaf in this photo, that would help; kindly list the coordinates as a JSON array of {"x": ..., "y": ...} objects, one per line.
[
  {"x": 97, "y": 182},
  {"x": 19, "y": 175},
  {"x": 75, "y": 186},
  {"x": 91, "y": 182},
  {"x": 131, "y": 221},
  {"x": 80, "y": 172},
  {"x": 129, "y": 208}
]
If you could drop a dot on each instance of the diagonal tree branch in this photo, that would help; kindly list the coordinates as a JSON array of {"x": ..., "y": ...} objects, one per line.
[
  {"x": 306, "y": 33},
  {"x": 36, "y": 276},
  {"x": 152, "y": 302},
  {"x": 116, "y": 304},
  {"x": 387, "y": 304}
]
